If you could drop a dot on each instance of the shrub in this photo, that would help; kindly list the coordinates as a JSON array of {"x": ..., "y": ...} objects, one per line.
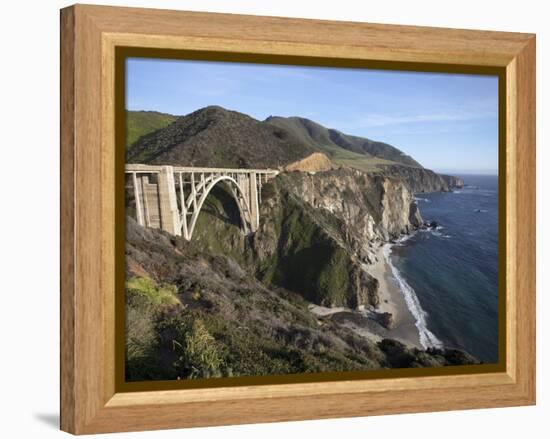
[
  {"x": 148, "y": 288},
  {"x": 198, "y": 353}
]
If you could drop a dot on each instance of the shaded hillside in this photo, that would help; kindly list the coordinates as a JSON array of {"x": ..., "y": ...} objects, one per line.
[
  {"x": 140, "y": 123},
  {"x": 331, "y": 142},
  {"x": 214, "y": 136},
  {"x": 195, "y": 313}
]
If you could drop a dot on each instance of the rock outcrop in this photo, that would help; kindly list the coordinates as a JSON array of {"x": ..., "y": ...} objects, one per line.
[
  {"x": 452, "y": 181},
  {"x": 312, "y": 163},
  {"x": 317, "y": 231},
  {"x": 417, "y": 179}
]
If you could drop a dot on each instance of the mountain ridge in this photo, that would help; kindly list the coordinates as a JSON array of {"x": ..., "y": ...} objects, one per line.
[
  {"x": 142, "y": 122},
  {"x": 323, "y": 137},
  {"x": 215, "y": 136}
]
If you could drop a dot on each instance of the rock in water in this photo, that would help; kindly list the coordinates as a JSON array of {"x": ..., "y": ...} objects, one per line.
[{"x": 452, "y": 181}]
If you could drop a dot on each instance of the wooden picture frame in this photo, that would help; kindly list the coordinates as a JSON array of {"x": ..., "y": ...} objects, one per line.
[{"x": 91, "y": 400}]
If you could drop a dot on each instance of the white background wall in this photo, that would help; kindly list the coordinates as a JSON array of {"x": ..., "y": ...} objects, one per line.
[{"x": 29, "y": 219}]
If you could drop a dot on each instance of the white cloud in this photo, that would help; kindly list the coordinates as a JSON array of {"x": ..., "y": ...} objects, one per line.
[{"x": 378, "y": 120}]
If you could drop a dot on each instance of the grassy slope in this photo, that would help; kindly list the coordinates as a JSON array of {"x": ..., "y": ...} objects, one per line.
[
  {"x": 317, "y": 137},
  {"x": 139, "y": 123},
  {"x": 341, "y": 157}
]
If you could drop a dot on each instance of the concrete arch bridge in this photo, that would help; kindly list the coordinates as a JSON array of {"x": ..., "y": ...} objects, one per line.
[{"x": 171, "y": 197}]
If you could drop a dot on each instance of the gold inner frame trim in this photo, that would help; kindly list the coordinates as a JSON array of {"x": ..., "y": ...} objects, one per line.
[{"x": 115, "y": 52}]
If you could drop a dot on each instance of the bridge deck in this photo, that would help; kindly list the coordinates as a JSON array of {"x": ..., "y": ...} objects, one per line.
[{"x": 189, "y": 169}]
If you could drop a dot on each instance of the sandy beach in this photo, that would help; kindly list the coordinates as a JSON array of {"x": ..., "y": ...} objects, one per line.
[{"x": 393, "y": 301}]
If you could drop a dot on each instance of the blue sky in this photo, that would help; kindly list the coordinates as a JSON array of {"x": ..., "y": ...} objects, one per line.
[{"x": 448, "y": 122}]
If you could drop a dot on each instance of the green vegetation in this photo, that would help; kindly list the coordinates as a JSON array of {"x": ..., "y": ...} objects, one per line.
[
  {"x": 143, "y": 286},
  {"x": 216, "y": 137},
  {"x": 218, "y": 227},
  {"x": 230, "y": 304},
  {"x": 197, "y": 343},
  {"x": 344, "y": 150},
  {"x": 342, "y": 157},
  {"x": 140, "y": 123},
  {"x": 308, "y": 262},
  {"x": 226, "y": 304},
  {"x": 197, "y": 352}
]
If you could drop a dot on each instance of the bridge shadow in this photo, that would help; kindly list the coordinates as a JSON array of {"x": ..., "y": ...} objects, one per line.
[{"x": 222, "y": 205}]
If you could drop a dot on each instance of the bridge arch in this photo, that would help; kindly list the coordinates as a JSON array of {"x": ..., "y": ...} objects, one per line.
[
  {"x": 171, "y": 197},
  {"x": 236, "y": 192}
]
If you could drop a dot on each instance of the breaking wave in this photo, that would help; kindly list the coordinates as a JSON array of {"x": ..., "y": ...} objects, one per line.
[{"x": 427, "y": 338}]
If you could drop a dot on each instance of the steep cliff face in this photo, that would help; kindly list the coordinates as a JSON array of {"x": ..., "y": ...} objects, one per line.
[
  {"x": 417, "y": 179},
  {"x": 370, "y": 207},
  {"x": 317, "y": 231},
  {"x": 192, "y": 313},
  {"x": 452, "y": 181}
]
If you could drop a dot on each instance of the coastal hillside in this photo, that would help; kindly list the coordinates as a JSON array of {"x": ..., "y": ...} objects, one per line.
[
  {"x": 331, "y": 142},
  {"x": 193, "y": 313},
  {"x": 364, "y": 154},
  {"x": 301, "y": 293},
  {"x": 214, "y": 136},
  {"x": 140, "y": 123}
]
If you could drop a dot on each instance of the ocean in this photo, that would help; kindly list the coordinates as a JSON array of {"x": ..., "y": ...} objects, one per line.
[{"x": 450, "y": 275}]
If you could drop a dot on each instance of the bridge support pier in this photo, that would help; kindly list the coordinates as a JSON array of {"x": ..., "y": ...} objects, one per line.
[
  {"x": 253, "y": 202},
  {"x": 169, "y": 215}
]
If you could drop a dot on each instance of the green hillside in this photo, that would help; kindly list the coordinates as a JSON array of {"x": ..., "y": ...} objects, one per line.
[
  {"x": 356, "y": 152},
  {"x": 139, "y": 123},
  {"x": 362, "y": 162},
  {"x": 215, "y": 136}
]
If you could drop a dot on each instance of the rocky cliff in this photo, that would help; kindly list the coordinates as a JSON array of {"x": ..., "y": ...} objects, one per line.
[
  {"x": 417, "y": 179},
  {"x": 193, "y": 313},
  {"x": 312, "y": 163},
  {"x": 317, "y": 232},
  {"x": 452, "y": 181}
]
